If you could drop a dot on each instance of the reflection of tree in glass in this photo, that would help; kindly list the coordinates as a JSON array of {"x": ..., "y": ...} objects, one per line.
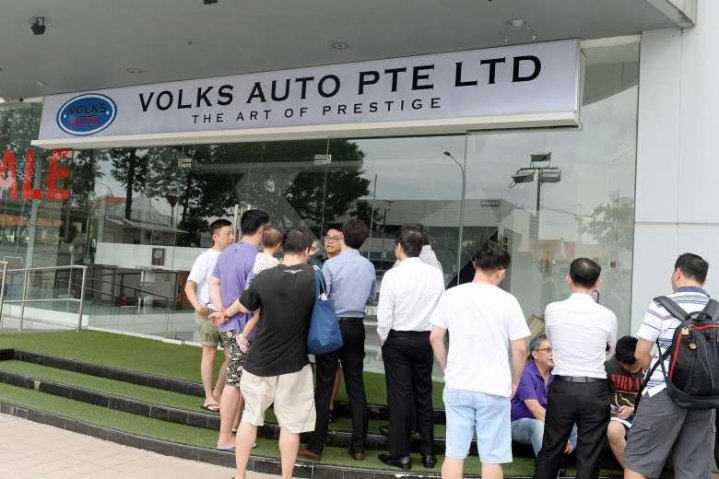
[
  {"x": 18, "y": 126},
  {"x": 279, "y": 177},
  {"x": 129, "y": 167},
  {"x": 612, "y": 224},
  {"x": 83, "y": 174}
]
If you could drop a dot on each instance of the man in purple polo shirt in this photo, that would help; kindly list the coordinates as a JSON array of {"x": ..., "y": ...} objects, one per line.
[
  {"x": 227, "y": 284},
  {"x": 529, "y": 404}
]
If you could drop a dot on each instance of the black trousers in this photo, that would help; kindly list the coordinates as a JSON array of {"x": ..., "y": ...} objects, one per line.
[
  {"x": 408, "y": 361},
  {"x": 587, "y": 404},
  {"x": 351, "y": 356}
]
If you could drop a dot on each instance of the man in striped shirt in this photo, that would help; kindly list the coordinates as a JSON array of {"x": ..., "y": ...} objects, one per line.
[{"x": 660, "y": 425}]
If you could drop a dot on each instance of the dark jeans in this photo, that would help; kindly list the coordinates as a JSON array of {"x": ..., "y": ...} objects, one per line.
[
  {"x": 587, "y": 404},
  {"x": 351, "y": 356},
  {"x": 408, "y": 361}
]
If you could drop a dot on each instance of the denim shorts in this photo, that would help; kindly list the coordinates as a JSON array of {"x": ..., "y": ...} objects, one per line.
[{"x": 470, "y": 412}]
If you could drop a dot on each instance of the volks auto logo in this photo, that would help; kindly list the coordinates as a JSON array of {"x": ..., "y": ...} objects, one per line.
[{"x": 86, "y": 114}]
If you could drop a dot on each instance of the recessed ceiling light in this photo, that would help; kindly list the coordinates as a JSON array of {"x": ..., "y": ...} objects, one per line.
[
  {"x": 517, "y": 22},
  {"x": 40, "y": 83},
  {"x": 135, "y": 70},
  {"x": 2, "y": 100},
  {"x": 339, "y": 45}
]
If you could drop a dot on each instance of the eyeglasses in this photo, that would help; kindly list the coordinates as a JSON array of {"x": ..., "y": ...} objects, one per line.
[
  {"x": 549, "y": 350},
  {"x": 332, "y": 239}
]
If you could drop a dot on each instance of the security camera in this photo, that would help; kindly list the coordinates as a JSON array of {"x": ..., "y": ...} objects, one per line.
[{"x": 37, "y": 25}]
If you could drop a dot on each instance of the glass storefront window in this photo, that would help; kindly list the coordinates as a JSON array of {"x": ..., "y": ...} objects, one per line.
[{"x": 137, "y": 217}]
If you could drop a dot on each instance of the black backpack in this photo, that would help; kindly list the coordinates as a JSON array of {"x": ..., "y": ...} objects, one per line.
[{"x": 693, "y": 375}]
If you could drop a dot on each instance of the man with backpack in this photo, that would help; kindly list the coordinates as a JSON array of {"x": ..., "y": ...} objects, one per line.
[{"x": 671, "y": 413}]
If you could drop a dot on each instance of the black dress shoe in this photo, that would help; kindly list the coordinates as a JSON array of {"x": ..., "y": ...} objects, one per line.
[
  {"x": 429, "y": 461},
  {"x": 384, "y": 430},
  {"x": 404, "y": 463}
]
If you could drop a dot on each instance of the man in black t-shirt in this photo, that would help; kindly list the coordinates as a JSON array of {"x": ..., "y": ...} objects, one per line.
[
  {"x": 624, "y": 376},
  {"x": 277, "y": 368}
]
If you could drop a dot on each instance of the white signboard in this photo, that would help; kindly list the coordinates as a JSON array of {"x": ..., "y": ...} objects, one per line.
[{"x": 528, "y": 85}]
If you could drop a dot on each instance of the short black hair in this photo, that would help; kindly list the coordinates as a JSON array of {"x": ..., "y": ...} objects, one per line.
[
  {"x": 411, "y": 239},
  {"x": 491, "y": 257},
  {"x": 296, "y": 240},
  {"x": 584, "y": 272},
  {"x": 355, "y": 232},
  {"x": 692, "y": 266},
  {"x": 422, "y": 230},
  {"x": 334, "y": 226},
  {"x": 216, "y": 225},
  {"x": 252, "y": 220},
  {"x": 624, "y": 352}
]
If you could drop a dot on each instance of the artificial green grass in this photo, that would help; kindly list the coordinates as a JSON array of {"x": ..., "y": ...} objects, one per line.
[
  {"x": 116, "y": 350},
  {"x": 107, "y": 386},
  {"x": 153, "y": 357},
  {"x": 202, "y": 437},
  {"x": 148, "y": 394}
]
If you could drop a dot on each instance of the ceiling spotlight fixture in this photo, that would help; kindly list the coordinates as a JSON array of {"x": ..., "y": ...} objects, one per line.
[
  {"x": 40, "y": 83},
  {"x": 517, "y": 22},
  {"x": 339, "y": 45},
  {"x": 135, "y": 70},
  {"x": 37, "y": 25},
  {"x": 209, "y": 2}
]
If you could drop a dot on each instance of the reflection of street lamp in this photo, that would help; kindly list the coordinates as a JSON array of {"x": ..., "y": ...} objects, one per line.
[
  {"x": 461, "y": 211},
  {"x": 384, "y": 226},
  {"x": 540, "y": 163}
]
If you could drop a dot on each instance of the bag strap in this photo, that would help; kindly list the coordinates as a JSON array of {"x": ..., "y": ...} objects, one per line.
[
  {"x": 320, "y": 285},
  {"x": 712, "y": 310},
  {"x": 672, "y": 308},
  {"x": 660, "y": 362}
]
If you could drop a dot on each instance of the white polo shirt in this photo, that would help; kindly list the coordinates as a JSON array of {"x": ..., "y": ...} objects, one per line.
[{"x": 580, "y": 330}]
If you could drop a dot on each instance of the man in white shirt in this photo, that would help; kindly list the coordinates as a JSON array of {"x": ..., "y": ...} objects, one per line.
[
  {"x": 583, "y": 334},
  {"x": 427, "y": 254},
  {"x": 198, "y": 293},
  {"x": 408, "y": 296},
  {"x": 485, "y": 325}
]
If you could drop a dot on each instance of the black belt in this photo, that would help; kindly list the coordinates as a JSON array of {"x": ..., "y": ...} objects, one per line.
[
  {"x": 343, "y": 318},
  {"x": 578, "y": 379}
]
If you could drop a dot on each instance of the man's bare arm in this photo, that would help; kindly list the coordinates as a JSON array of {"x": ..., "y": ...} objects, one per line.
[
  {"x": 643, "y": 353},
  {"x": 436, "y": 338},
  {"x": 518, "y": 347},
  {"x": 191, "y": 293}
]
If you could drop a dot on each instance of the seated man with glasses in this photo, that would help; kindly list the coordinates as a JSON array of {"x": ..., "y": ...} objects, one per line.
[{"x": 529, "y": 404}]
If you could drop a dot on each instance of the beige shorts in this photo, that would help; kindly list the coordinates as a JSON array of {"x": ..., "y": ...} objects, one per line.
[
  {"x": 207, "y": 331},
  {"x": 293, "y": 396}
]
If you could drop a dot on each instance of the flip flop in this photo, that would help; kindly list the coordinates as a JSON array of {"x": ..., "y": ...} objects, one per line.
[
  {"x": 226, "y": 448},
  {"x": 212, "y": 407}
]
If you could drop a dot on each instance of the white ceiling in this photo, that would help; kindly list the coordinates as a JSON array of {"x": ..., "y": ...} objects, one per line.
[{"x": 89, "y": 44}]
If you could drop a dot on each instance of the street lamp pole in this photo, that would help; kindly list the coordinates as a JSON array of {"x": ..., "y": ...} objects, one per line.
[{"x": 461, "y": 212}]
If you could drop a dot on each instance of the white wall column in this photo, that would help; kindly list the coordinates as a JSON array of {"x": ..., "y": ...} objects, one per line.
[{"x": 677, "y": 197}]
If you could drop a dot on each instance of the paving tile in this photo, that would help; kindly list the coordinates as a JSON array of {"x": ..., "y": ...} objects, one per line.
[{"x": 68, "y": 455}]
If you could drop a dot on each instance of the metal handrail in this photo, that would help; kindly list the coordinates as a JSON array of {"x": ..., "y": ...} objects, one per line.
[{"x": 26, "y": 274}]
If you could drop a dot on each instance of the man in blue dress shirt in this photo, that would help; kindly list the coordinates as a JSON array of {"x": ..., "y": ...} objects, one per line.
[{"x": 351, "y": 282}]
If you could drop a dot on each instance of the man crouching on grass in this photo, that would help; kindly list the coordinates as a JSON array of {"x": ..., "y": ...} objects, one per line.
[{"x": 277, "y": 369}]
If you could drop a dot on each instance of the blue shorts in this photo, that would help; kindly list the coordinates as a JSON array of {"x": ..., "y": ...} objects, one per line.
[{"x": 488, "y": 415}]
